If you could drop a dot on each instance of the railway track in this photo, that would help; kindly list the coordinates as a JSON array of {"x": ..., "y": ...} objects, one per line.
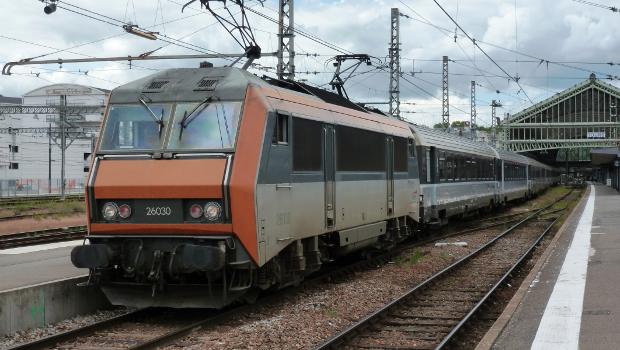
[
  {"x": 153, "y": 327},
  {"x": 108, "y": 334},
  {"x": 29, "y": 216},
  {"x": 21, "y": 239},
  {"x": 27, "y": 200},
  {"x": 97, "y": 335},
  {"x": 136, "y": 330},
  {"x": 430, "y": 315}
]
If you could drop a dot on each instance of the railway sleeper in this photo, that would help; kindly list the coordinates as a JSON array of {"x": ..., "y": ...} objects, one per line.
[
  {"x": 416, "y": 328},
  {"x": 390, "y": 343}
]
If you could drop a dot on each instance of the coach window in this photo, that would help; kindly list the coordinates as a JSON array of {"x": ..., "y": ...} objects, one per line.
[
  {"x": 441, "y": 155},
  {"x": 450, "y": 163},
  {"x": 400, "y": 154},
  {"x": 307, "y": 145},
  {"x": 280, "y": 134},
  {"x": 412, "y": 151}
]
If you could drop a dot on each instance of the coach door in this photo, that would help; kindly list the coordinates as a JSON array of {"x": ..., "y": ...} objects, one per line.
[
  {"x": 329, "y": 169},
  {"x": 390, "y": 174}
]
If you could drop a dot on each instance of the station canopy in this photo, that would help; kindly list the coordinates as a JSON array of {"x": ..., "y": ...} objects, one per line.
[{"x": 568, "y": 125}]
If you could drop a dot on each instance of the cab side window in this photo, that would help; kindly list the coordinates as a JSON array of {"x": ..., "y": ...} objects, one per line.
[
  {"x": 307, "y": 145},
  {"x": 280, "y": 133}
]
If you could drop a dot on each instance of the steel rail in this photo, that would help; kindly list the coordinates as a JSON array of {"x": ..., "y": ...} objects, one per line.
[
  {"x": 37, "y": 199},
  {"x": 448, "y": 338},
  {"x": 508, "y": 215},
  {"x": 32, "y": 215},
  {"x": 171, "y": 336},
  {"x": 338, "y": 339},
  {"x": 137, "y": 315},
  {"x": 20, "y": 239},
  {"x": 54, "y": 339}
]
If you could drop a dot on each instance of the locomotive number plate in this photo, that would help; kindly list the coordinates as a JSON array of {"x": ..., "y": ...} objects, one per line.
[
  {"x": 165, "y": 211},
  {"x": 158, "y": 211}
]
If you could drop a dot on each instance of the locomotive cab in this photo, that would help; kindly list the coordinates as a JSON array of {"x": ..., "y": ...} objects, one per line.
[{"x": 160, "y": 215}]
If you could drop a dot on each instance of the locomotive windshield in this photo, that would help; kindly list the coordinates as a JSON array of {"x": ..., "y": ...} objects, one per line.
[
  {"x": 210, "y": 125},
  {"x": 132, "y": 127}
]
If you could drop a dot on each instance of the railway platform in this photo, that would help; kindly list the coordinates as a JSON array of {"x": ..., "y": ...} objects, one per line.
[
  {"x": 39, "y": 286},
  {"x": 570, "y": 299},
  {"x": 32, "y": 265}
]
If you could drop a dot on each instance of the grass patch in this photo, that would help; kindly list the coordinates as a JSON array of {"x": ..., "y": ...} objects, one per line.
[
  {"x": 570, "y": 206},
  {"x": 50, "y": 209},
  {"x": 548, "y": 197},
  {"x": 331, "y": 312},
  {"x": 410, "y": 259}
]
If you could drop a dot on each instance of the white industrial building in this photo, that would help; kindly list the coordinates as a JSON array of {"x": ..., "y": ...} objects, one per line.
[{"x": 25, "y": 165}]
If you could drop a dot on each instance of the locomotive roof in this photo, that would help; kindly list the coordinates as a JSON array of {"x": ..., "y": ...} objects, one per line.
[
  {"x": 229, "y": 83},
  {"x": 195, "y": 84},
  {"x": 187, "y": 84},
  {"x": 438, "y": 138}
]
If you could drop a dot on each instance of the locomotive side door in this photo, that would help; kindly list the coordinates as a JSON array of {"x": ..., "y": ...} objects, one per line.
[
  {"x": 329, "y": 174},
  {"x": 390, "y": 174}
]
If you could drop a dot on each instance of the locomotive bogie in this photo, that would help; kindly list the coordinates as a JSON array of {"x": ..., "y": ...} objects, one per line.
[{"x": 194, "y": 271}]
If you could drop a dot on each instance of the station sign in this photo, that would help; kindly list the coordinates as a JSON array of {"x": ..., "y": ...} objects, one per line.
[{"x": 596, "y": 134}]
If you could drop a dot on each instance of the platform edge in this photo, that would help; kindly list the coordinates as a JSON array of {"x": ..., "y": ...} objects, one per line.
[{"x": 487, "y": 342}]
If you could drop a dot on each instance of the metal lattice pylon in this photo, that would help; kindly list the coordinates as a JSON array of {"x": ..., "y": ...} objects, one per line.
[
  {"x": 394, "y": 53},
  {"x": 494, "y": 121},
  {"x": 445, "y": 98},
  {"x": 286, "y": 41},
  {"x": 472, "y": 119}
]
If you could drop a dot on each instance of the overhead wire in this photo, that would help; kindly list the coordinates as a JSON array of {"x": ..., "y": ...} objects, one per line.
[
  {"x": 566, "y": 64},
  {"x": 119, "y": 23},
  {"x": 484, "y": 52},
  {"x": 445, "y": 32},
  {"x": 595, "y": 4}
]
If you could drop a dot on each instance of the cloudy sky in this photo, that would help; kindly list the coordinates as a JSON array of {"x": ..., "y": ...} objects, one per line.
[{"x": 549, "y": 45}]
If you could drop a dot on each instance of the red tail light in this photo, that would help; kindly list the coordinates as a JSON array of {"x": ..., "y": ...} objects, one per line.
[
  {"x": 195, "y": 211},
  {"x": 124, "y": 211}
]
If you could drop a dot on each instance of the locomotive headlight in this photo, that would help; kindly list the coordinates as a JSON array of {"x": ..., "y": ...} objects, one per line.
[
  {"x": 124, "y": 211},
  {"x": 110, "y": 211},
  {"x": 213, "y": 211}
]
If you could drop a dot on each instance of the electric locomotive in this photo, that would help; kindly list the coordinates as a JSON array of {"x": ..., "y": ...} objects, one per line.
[{"x": 210, "y": 184}]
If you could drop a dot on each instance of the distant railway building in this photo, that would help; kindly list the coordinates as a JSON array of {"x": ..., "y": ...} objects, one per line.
[
  {"x": 568, "y": 128},
  {"x": 30, "y": 155}
]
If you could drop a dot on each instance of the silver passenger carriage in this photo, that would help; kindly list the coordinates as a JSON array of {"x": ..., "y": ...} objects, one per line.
[
  {"x": 513, "y": 177},
  {"x": 457, "y": 175}
]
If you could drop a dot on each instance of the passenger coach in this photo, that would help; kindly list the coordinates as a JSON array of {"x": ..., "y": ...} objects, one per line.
[{"x": 457, "y": 175}]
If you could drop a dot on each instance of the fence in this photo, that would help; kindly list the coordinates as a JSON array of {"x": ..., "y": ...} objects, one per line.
[{"x": 34, "y": 187}]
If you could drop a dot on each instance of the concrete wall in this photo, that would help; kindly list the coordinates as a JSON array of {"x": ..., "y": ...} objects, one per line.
[{"x": 38, "y": 305}]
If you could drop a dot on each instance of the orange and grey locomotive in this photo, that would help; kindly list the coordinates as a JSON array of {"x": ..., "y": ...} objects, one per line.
[{"x": 209, "y": 185}]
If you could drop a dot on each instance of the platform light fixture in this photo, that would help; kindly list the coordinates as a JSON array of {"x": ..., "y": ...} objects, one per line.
[{"x": 50, "y": 7}]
